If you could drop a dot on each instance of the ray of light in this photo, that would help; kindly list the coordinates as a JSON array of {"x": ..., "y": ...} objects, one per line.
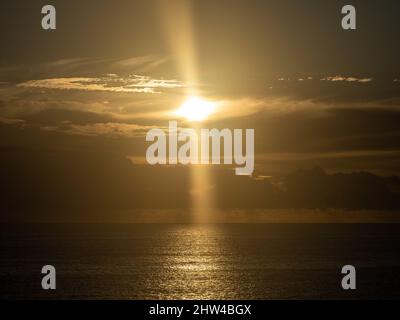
[{"x": 179, "y": 32}]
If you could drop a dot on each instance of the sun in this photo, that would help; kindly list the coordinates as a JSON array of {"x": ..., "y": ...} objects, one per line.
[{"x": 195, "y": 109}]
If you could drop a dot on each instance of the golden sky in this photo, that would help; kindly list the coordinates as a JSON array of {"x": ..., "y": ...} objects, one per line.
[{"x": 89, "y": 91}]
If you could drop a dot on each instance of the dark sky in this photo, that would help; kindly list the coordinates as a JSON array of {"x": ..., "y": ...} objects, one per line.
[{"x": 84, "y": 95}]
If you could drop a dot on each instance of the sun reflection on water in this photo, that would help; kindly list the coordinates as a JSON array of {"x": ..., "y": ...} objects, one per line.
[{"x": 194, "y": 267}]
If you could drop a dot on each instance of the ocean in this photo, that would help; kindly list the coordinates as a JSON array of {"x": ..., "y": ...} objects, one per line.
[{"x": 189, "y": 261}]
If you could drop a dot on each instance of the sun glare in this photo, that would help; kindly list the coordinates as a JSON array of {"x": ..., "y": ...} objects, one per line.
[{"x": 196, "y": 109}]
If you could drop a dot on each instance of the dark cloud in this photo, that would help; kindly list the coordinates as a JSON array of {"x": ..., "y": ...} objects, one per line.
[{"x": 91, "y": 186}]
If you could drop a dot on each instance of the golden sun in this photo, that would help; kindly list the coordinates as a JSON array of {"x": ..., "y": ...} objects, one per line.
[{"x": 195, "y": 109}]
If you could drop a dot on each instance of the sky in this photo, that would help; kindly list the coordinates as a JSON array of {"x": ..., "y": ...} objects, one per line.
[{"x": 76, "y": 102}]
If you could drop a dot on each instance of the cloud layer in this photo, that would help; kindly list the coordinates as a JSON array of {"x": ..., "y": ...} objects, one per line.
[{"x": 109, "y": 83}]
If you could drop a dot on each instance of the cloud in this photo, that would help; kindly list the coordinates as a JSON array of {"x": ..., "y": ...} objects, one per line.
[
  {"x": 72, "y": 63},
  {"x": 109, "y": 83},
  {"x": 274, "y": 105},
  {"x": 144, "y": 63},
  {"x": 108, "y": 129},
  {"x": 327, "y": 155},
  {"x": 77, "y": 66},
  {"x": 337, "y": 78},
  {"x": 11, "y": 121},
  {"x": 346, "y": 79}
]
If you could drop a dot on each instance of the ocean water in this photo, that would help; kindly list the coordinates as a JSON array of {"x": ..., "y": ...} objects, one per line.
[{"x": 183, "y": 261}]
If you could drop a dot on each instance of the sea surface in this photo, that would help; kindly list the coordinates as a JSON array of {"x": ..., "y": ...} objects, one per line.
[{"x": 184, "y": 261}]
